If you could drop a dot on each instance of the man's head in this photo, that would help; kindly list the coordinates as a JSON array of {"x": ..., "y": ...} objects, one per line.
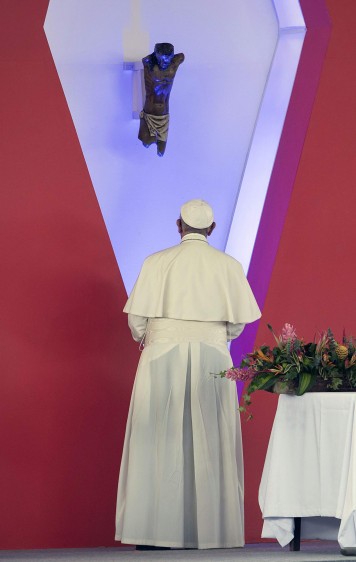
[
  {"x": 164, "y": 53},
  {"x": 196, "y": 216}
]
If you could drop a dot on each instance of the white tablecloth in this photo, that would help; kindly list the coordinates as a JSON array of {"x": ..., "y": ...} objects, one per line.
[{"x": 310, "y": 467}]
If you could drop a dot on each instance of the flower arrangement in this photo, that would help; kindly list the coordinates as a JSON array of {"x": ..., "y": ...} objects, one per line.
[{"x": 295, "y": 367}]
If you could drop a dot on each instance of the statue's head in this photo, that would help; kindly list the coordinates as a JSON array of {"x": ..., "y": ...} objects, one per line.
[{"x": 164, "y": 53}]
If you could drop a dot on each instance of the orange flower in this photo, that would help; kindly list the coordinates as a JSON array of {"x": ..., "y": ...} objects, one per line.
[{"x": 263, "y": 356}]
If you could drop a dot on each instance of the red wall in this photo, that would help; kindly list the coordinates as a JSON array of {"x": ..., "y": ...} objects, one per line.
[
  {"x": 67, "y": 361},
  {"x": 313, "y": 280}
]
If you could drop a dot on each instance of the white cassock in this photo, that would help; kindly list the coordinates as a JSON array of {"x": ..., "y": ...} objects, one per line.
[{"x": 181, "y": 476}]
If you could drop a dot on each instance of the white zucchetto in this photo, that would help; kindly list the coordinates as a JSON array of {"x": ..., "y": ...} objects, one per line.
[{"x": 197, "y": 213}]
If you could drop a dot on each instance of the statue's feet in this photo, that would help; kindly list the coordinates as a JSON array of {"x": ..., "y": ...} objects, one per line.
[{"x": 161, "y": 147}]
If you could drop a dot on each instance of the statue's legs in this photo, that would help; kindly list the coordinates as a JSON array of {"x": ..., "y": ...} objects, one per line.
[{"x": 144, "y": 134}]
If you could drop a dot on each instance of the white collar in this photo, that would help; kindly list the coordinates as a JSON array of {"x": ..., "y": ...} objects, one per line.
[{"x": 194, "y": 236}]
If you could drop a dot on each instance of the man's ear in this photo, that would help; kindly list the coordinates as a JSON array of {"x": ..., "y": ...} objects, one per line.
[
  {"x": 179, "y": 224},
  {"x": 211, "y": 228}
]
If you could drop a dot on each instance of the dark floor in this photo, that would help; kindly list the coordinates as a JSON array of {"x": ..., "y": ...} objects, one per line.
[{"x": 311, "y": 551}]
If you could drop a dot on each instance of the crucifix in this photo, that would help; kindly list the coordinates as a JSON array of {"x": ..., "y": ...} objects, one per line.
[{"x": 160, "y": 68}]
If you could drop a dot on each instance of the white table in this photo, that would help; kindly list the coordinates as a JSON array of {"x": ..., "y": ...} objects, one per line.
[{"x": 310, "y": 467}]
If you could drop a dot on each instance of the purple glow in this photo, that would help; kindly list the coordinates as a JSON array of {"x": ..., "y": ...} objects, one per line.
[{"x": 214, "y": 106}]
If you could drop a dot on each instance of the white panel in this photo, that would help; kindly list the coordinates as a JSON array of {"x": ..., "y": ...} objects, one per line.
[
  {"x": 289, "y": 13},
  {"x": 264, "y": 146},
  {"x": 214, "y": 106}
]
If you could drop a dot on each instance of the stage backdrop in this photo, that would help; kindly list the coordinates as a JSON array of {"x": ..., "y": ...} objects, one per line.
[
  {"x": 214, "y": 105},
  {"x": 313, "y": 280},
  {"x": 67, "y": 362}
]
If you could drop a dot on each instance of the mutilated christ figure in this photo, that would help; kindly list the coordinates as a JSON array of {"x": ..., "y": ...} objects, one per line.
[{"x": 159, "y": 71}]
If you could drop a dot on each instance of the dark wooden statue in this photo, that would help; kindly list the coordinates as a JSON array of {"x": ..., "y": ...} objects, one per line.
[{"x": 159, "y": 71}]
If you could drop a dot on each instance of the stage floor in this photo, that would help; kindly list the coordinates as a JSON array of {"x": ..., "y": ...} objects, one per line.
[{"x": 311, "y": 551}]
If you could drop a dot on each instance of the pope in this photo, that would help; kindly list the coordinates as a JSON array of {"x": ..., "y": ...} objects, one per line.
[{"x": 181, "y": 476}]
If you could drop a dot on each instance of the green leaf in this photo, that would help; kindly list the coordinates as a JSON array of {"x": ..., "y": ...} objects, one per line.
[
  {"x": 306, "y": 381},
  {"x": 261, "y": 382},
  {"x": 247, "y": 399},
  {"x": 335, "y": 383}
]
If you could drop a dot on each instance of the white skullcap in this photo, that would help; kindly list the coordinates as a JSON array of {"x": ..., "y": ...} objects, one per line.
[{"x": 197, "y": 213}]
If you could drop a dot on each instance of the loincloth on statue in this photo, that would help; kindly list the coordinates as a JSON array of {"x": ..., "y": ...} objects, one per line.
[{"x": 157, "y": 125}]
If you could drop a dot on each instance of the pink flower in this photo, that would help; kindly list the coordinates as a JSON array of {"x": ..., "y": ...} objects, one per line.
[
  {"x": 288, "y": 334},
  {"x": 240, "y": 374}
]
